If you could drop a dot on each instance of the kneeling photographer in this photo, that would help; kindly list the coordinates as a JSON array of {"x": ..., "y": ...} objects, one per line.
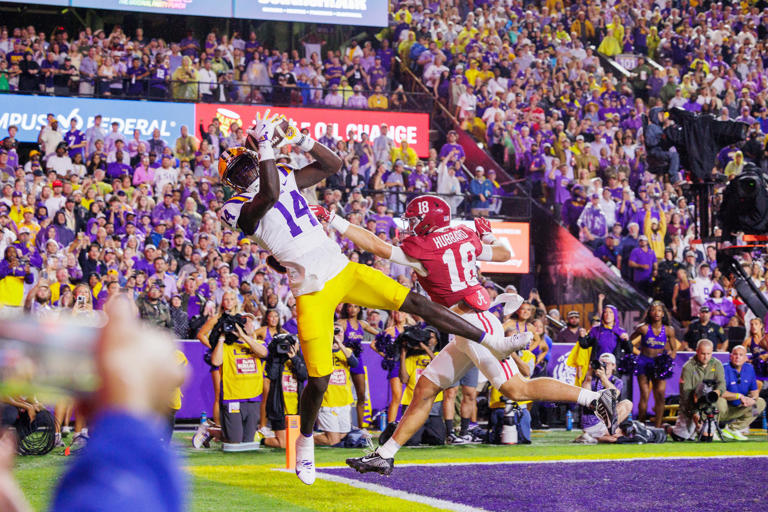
[
  {"x": 286, "y": 371},
  {"x": 602, "y": 377},
  {"x": 239, "y": 354},
  {"x": 417, "y": 349},
  {"x": 702, "y": 383},
  {"x": 740, "y": 404}
]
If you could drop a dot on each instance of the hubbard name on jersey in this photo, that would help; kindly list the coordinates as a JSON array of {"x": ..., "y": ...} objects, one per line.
[
  {"x": 294, "y": 236},
  {"x": 449, "y": 256}
]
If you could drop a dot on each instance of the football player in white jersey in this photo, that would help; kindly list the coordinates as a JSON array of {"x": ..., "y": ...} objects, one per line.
[{"x": 271, "y": 211}]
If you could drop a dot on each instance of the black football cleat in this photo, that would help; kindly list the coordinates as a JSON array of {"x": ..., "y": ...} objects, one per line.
[
  {"x": 605, "y": 409},
  {"x": 372, "y": 462}
]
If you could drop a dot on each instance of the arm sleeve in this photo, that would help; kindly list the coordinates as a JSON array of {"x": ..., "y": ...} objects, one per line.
[{"x": 398, "y": 256}]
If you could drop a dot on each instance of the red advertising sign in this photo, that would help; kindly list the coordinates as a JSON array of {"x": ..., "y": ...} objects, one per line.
[
  {"x": 413, "y": 128},
  {"x": 516, "y": 237}
]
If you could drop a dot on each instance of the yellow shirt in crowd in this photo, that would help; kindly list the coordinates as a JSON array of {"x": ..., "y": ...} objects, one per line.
[
  {"x": 339, "y": 392},
  {"x": 415, "y": 365}
]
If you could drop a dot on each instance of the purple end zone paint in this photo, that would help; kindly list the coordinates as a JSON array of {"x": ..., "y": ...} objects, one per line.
[{"x": 637, "y": 485}]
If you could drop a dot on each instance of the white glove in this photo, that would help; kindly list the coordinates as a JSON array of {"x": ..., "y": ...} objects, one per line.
[
  {"x": 263, "y": 130},
  {"x": 294, "y": 137}
]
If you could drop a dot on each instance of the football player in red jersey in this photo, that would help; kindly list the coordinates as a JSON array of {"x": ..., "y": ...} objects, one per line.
[{"x": 445, "y": 260}]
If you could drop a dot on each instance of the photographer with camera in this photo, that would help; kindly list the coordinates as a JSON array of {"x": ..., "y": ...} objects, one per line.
[
  {"x": 702, "y": 383},
  {"x": 209, "y": 335},
  {"x": 417, "y": 349},
  {"x": 239, "y": 353},
  {"x": 334, "y": 418},
  {"x": 285, "y": 371},
  {"x": 601, "y": 377},
  {"x": 740, "y": 404}
]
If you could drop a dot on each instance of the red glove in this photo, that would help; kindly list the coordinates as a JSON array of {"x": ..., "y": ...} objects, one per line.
[
  {"x": 321, "y": 213},
  {"x": 483, "y": 228}
]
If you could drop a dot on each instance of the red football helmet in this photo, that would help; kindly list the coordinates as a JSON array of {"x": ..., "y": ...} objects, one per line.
[{"x": 425, "y": 214}]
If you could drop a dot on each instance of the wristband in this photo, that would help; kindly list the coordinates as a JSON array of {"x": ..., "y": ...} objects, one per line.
[
  {"x": 488, "y": 238},
  {"x": 266, "y": 151},
  {"x": 307, "y": 143},
  {"x": 339, "y": 224}
]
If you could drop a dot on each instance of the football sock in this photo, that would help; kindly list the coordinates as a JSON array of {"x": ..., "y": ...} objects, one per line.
[
  {"x": 388, "y": 449},
  {"x": 449, "y": 426},
  {"x": 464, "y": 426},
  {"x": 305, "y": 440},
  {"x": 586, "y": 397}
]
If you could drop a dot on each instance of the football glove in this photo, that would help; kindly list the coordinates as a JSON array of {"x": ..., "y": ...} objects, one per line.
[
  {"x": 483, "y": 228},
  {"x": 293, "y": 136}
]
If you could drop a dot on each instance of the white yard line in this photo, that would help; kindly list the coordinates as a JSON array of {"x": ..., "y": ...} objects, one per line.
[
  {"x": 386, "y": 491},
  {"x": 567, "y": 461}
]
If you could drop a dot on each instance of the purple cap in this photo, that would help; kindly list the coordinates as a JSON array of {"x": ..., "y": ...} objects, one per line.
[{"x": 16, "y": 193}]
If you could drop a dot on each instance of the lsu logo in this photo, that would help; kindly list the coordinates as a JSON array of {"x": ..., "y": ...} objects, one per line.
[{"x": 562, "y": 371}]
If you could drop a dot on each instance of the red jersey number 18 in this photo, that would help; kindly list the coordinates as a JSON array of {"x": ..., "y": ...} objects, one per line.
[{"x": 466, "y": 260}]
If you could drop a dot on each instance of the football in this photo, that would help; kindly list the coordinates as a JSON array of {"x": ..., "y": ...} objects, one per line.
[{"x": 280, "y": 132}]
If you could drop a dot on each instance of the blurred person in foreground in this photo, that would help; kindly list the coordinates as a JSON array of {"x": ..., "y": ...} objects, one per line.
[{"x": 137, "y": 370}]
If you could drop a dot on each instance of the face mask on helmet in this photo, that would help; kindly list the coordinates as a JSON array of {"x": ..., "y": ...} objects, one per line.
[{"x": 239, "y": 168}]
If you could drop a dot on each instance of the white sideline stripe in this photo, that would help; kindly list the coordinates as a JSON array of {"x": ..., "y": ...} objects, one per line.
[
  {"x": 568, "y": 461},
  {"x": 386, "y": 491}
]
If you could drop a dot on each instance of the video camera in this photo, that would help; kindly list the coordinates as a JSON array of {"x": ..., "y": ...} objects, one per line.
[
  {"x": 226, "y": 326},
  {"x": 412, "y": 337},
  {"x": 282, "y": 343}
]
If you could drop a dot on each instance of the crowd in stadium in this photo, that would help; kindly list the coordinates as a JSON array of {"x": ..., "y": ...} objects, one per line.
[{"x": 92, "y": 211}]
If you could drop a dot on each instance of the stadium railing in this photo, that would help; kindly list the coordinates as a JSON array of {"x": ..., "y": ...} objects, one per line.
[{"x": 228, "y": 92}]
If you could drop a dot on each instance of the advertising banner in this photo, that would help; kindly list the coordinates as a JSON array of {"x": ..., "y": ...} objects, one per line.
[
  {"x": 515, "y": 236},
  {"x": 29, "y": 114},
  {"x": 369, "y": 13},
  {"x": 411, "y": 127},
  {"x": 217, "y": 8},
  {"x": 41, "y": 2}
]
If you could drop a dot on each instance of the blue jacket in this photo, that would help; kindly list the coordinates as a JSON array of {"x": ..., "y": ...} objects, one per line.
[{"x": 124, "y": 468}]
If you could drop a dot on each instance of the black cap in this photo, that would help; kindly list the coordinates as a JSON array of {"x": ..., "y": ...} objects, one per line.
[{"x": 704, "y": 309}]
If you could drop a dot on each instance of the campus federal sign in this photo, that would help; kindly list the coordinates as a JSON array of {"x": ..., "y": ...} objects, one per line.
[{"x": 29, "y": 114}]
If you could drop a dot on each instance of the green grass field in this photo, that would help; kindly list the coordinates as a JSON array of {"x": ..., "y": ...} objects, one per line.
[{"x": 253, "y": 481}]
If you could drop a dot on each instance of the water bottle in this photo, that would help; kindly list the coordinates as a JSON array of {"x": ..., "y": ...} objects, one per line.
[
  {"x": 765, "y": 421},
  {"x": 382, "y": 420},
  {"x": 568, "y": 420},
  {"x": 203, "y": 418}
]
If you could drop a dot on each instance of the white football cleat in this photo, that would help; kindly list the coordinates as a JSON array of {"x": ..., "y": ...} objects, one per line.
[
  {"x": 305, "y": 461},
  {"x": 511, "y": 301},
  {"x": 502, "y": 347}
]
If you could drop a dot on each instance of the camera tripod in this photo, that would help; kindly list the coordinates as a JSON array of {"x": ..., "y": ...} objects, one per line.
[{"x": 709, "y": 423}]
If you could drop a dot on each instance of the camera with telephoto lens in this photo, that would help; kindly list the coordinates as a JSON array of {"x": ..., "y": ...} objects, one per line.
[
  {"x": 227, "y": 327},
  {"x": 706, "y": 394},
  {"x": 596, "y": 364}
]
